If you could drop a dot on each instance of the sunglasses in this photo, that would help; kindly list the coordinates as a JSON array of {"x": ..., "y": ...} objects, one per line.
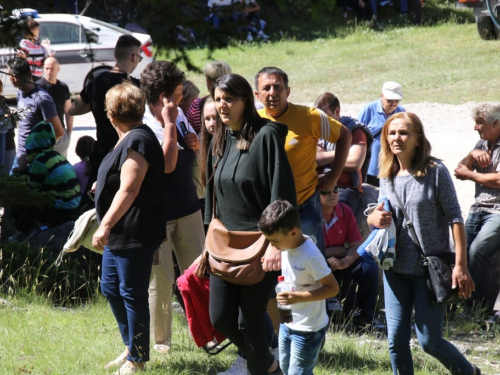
[
  {"x": 138, "y": 55},
  {"x": 393, "y": 101},
  {"x": 328, "y": 192}
]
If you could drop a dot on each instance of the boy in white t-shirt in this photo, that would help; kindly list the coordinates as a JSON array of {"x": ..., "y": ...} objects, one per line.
[{"x": 306, "y": 269}]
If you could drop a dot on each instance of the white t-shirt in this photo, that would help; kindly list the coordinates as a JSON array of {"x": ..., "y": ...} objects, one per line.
[
  {"x": 219, "y": 3},
  {"x": 302, "y": 268},
  {"x": 158, "y": 129}
]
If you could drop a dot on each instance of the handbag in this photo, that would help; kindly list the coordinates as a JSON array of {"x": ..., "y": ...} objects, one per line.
[
  {"x": 233, "y": 256},
  {"x": 439, "y": 268}
]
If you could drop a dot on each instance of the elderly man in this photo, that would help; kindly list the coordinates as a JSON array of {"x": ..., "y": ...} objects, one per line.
[
  {"x": 127, "y": 56},
  {"x": 306, "y": 125},
  {"x": 374, "y": 115},
  {"x": 342, "y": 239},
  {"x": 354, "y": 173},
  {"x": 36, "y": 106},
  {"x": 482, "y": 165},
  {"x": 59, "y": 93}
]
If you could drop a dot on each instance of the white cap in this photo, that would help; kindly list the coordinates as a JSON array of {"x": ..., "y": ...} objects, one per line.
[{"x": 392, "y": 91}]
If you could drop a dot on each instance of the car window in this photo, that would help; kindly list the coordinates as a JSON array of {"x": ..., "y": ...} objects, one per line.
[{"x": 61, "y": 32}]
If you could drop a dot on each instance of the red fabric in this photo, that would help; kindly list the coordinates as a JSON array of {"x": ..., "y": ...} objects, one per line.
[
  {"x": 196, "y": 293},
  {"x": 344, "y": 229}
]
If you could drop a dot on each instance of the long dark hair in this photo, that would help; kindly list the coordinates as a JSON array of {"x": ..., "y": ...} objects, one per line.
[{"x": 239, "y": 88}]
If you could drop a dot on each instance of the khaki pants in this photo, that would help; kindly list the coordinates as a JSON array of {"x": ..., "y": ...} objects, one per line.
[{"x": 186, "y": 237}]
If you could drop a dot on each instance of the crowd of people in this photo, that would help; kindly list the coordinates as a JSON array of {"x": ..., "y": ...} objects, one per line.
[{"x": 166, "y": 162}]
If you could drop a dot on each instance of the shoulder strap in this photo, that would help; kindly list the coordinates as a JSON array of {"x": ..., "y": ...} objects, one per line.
[{"x": 409, "y": 223}]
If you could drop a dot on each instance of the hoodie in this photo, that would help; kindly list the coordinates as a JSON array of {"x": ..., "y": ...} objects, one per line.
[
  {"x": 246, "y": 182},
  {"x": 49, "y": 171}
]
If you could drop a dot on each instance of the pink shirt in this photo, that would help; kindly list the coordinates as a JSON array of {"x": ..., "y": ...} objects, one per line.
[{"x": 345, "y": 228}]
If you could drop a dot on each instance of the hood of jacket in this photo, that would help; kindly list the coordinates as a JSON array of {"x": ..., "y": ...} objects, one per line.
[{"x": 41, "y": 138}]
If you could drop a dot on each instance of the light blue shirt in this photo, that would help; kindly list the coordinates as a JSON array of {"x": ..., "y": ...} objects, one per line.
[{"x": 374, "y": 117}]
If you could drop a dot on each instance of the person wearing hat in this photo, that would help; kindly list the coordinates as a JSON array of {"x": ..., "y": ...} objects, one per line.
[{"x": 374, "y": 115}]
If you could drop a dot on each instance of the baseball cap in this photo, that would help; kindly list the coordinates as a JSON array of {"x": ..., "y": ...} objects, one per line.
[{"x": 392, "y": 90}]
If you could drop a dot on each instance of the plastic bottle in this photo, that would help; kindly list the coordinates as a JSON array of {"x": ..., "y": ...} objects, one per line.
[{"x": 284, "y": 310}]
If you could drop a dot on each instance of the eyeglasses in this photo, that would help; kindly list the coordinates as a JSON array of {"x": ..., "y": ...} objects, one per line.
[
  {"x": 328, "y": 192},
  {"x": 138, "y": 55},
  {"x": 393, "y": 101}
]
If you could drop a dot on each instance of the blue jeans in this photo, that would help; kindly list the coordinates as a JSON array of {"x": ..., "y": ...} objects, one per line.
[
  {"x": 125, "y": 283},
  {"x": 483, "y": 237},
  {"x": 311, "y": 219},
  {"x": 364, "y": 274},
  {"x": 299, "y": 351},
  {"x": 403, "y": 293}
]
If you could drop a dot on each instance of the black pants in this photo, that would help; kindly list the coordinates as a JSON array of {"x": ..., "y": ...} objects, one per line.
[{"x": 238, "y": 312}]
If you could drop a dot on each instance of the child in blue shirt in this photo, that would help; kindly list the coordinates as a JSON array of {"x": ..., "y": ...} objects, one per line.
[{"x": 313, "y": 282}]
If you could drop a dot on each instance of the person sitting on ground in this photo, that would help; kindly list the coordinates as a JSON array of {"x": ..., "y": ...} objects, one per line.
[
  {"x": 51, "y": 173},
  {"x": 223, "y": 11},
  {"x": 251, "y": 14},
  {"x": 374, "y": 115},
  {"x": 83, "y": 150},
  {"x": 358, "y": 277},
  {"x": 213, "y": 70},
  {"x": 482, "y": 166},
  {"x": 354, "y": 173},
  {"x": 362, "y": 8},
  {"x": 304, "y": 267}
]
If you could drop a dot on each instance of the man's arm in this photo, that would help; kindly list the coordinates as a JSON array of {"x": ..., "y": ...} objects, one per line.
[
  {"x": 356, "y": 157},
  {"x": 342, "y": 263},
  {"x": 56, "y": 124},
  {"x": 67, "y": 117},
  {"x": 491, "y": 180},
  {"x": 79, "y": 107},
  {"x": 343, "y": 144},
  {"x": 170, "y": 151}
]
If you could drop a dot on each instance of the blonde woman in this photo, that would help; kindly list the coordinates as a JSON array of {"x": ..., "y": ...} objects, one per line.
[{"x": 426, "y": 190}]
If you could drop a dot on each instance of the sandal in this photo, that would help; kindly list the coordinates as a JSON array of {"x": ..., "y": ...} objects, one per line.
[
  {"x": 162, "y": 348},
  {"x": 118, "y": 361}
]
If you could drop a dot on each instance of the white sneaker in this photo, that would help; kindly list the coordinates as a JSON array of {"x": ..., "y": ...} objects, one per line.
[
  {"x": 249, "y": 36},
  {"x": 239, "y": 367},
  {"x": 261, "y": 34}
]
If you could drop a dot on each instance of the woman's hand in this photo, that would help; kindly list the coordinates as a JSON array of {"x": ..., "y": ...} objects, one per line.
[
  {"x": 169, "y": 111},
  {"x": 192, "y": 141},
  {"x": 463, "y": 279},
  {"x": 379, "y": 218},
  {"x": 101, "y": 237},
  {"x": 271, "y": 261}
]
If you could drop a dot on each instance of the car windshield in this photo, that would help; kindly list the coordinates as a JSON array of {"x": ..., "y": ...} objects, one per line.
[{"x": 112, "y": 27}]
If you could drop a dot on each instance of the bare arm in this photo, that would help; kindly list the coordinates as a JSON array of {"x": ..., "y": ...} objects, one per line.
[
  {"x": 482, "y": 158},
  {"x": 354, "y": 162},
  {"x": 170, "y": 152},
  {"x": 328, "y": 181},
  {"x": 78, "y": 107},
  {"x": 56, "y": 124},
  {"x": 131, "y": 177},
  {"x": 67, "y": 117},
  {"x": 491, "y": 180},
  {"x": 329, "y": 288},
  {"x": 461, "y": 275}
]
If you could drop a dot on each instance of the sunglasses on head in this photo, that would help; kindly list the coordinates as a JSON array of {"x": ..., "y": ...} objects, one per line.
[{"x": 328, "y": 192}]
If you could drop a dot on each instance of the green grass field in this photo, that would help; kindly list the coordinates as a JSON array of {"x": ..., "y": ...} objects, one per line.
[{"x": 445, "y": 63}]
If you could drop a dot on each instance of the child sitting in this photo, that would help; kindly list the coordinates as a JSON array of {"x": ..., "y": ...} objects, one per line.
[
  {"x": 83, "y": 149},
  {"x": 305, "y": 268}
]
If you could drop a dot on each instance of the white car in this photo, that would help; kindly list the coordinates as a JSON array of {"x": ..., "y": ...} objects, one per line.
[{"x": 79, "y": 55}]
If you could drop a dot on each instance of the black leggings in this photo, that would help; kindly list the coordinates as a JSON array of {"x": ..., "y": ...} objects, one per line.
[{"x": 238, "y": 312}]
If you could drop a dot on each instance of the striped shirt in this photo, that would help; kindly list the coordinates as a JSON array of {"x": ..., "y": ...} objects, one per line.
[{"x": 487, "y": 198}]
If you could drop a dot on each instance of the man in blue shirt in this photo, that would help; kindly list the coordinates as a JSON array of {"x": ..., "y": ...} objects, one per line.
[{"x": 374, "y": 115}]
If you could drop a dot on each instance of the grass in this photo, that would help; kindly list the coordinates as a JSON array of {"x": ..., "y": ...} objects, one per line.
[
  {"x": 444, "y": 63},
  {"x": 37, "y": 338}
]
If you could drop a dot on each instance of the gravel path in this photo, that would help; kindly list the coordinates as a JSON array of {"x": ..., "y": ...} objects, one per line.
[{"x": 450, "y": 130}]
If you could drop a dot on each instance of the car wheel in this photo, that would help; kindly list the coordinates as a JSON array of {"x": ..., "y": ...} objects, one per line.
[
  {"x": 95, "y": 72},
  {"x": 486, "y": 28}
]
